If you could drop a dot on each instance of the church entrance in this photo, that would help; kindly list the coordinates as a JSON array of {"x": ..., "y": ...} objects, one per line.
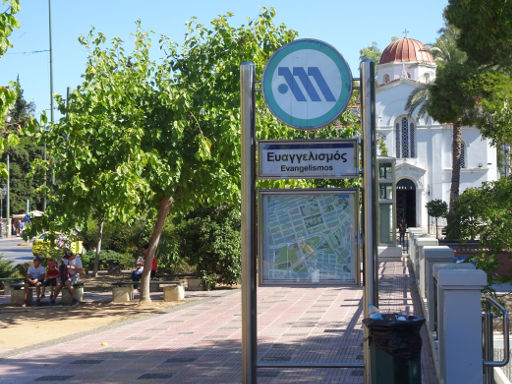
[{"x": 406, "y": 202}]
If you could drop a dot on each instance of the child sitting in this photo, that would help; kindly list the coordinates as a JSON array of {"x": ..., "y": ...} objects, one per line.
[{"x": 51, "y": 280}]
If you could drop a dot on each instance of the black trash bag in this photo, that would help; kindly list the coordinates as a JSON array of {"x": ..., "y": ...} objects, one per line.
[{"x": 399, "y": 338}]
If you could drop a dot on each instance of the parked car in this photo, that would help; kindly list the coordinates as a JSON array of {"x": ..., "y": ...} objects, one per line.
[{"x": 61, "y": 241}]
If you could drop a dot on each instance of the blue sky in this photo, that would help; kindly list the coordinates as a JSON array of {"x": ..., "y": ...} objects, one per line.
[{"x": 347, "y": 25}]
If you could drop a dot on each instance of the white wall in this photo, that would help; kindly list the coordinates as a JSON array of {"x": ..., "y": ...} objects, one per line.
[{"x": 431, "y": 169}]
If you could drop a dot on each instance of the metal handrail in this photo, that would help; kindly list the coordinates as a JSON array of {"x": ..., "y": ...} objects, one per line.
[{"x": 489, "y": 334}]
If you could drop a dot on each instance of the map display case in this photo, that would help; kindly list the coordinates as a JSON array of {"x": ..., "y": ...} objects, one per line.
[{"x": 308, "y": 236}]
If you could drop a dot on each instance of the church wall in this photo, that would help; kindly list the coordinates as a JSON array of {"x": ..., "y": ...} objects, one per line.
[{"x": 431, "y": 169}]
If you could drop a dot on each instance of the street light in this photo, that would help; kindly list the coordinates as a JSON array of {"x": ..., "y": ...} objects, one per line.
[
  {"x": 8, "y": 202},
  {"x": 3, "y": 192}
]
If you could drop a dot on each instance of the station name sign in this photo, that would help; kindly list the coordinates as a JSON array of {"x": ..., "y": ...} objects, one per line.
[{"x": 308, "y": 159}]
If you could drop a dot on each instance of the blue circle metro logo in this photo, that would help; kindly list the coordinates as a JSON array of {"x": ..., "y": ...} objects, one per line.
[{"x": 307, "y": 84}]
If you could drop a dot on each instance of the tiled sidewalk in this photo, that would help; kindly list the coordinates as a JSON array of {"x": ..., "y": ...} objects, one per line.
[{"x": 200, "y": 342}]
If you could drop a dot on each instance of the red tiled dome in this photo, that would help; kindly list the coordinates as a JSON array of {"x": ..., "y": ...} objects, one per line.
[{"x": 406, "y": 50}]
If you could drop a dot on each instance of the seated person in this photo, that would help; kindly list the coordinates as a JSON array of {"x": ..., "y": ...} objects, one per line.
[
  {"x": 70, "y": 271},
  {"x": 52, "y": 274},
  {"x": 139, "y": 265},
  {"x": 35, "y": 278}
]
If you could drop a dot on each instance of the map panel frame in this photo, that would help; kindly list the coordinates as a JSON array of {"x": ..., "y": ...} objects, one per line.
[{"x": 329, "y": 216}]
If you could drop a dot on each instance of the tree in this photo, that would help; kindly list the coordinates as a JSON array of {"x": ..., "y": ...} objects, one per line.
[
  {"x": 8, "y": 93},
  {"x": 446, "y": 99},
  {"x": 95, "y": 147},
  {"x": 486, "y": 36},
  {"x": 485, "y": 213},
  {"x": 485, "y": 30},
  {"x": 437, "y": 208},
  {"x": 22, "y": 183},
  {"x": 162, "y": 135},
  {"x": 372, "y": 52}
]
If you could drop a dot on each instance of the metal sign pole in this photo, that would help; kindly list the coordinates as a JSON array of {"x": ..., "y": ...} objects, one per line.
[
  {"x": 370, "y": 197},
  {"x": 247, "y": 122}
]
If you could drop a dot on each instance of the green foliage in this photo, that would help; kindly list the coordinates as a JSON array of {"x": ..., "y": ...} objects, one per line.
[
  {"x": 437, "y": 208},
  {"x": 485, "y": 34},
  {"x": 494, "y": 90},
  {"x": 48, "y": 251},
  {"x": 118, "y": 236},
  {"x": 371, "y": 52},
  {"x": 6, "y": 267},
  {"x": 485, "y": 213},
  {"x": 108, "y": 260},
  {"x": 8, "y": 93},
  {"x": 23, "y": 184},
  {"x": 449, "y": 99},
  {"x": 207, "y": 240},
  {"x": 485, "y": 30},
  {"x": 7, "y": 24}
]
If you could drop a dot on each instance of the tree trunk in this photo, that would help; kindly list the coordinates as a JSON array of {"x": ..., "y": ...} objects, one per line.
[
  {"x": 101, "y": 221},
  {"x": 456, "y": 152},
  {"x": 163, "y": 211},
  {"x": 437, "y": 230}
]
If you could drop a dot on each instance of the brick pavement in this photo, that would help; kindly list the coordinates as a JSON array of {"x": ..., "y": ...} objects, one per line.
[{"x": 200, "y": 342}]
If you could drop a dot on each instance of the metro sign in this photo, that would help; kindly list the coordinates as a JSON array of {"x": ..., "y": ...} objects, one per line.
[{"x": 307, "y": 84}]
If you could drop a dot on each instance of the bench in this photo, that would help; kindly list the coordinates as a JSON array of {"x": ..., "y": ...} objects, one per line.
[
  {"x": 7, "y": 281},
  {"x": 17, "y": 294},
  {"x": 67, "y": 299},
  {"x": 122, "y": 291}
]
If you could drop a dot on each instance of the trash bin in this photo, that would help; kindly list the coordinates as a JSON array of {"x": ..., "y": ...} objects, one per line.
[{"x": 395, "y": 349}]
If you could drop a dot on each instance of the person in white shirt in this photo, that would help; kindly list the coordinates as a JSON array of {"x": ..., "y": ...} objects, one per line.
[
  {"x": 70, "y": 271},
  {"x": 35, "y": 278}
]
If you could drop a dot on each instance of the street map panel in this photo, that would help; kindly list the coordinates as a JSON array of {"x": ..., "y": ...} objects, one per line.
[{"x": 308, "y": 238}]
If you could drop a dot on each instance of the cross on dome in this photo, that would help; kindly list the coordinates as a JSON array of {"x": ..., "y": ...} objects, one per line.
[{"x": 405, "y": 32}]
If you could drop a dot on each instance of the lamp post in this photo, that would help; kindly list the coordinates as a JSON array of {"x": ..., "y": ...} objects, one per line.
[
  {"x": 3, "y": 192},
  {"x": 8, "y": 202}
]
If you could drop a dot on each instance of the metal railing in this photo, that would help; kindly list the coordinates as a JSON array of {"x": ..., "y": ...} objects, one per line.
[{"x": 488, "y": 317}]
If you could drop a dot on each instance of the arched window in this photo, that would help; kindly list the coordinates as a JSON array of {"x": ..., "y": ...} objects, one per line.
[
  {"x": 386, "y": 78},
  {"x": 405, "y": 138},
  {"x": 463, "y": 155}
]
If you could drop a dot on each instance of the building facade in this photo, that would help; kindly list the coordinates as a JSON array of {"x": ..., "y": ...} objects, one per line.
[{"x": 422, "y": 146}]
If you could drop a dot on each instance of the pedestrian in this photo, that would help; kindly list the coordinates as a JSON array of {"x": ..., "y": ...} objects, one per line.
[
  {"x": 139, "y": 265},
  {"x": 52, "y": 275},
  {"x": 153, "y": 265},
  {"x": 402, "y": 228},
  {"x": 70, "y": 270},
  {"x": 35, "y": 278}
]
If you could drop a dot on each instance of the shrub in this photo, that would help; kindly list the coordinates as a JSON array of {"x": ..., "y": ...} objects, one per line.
[
  {"x": 485, "y": 213},
  {"x": 117, "y": 236},
  {"x": 108, "y": 260},
  {"x": 6, "y": 267},
  {"x": 437, "y": 208},
  {"x": 210, "y": 240}
]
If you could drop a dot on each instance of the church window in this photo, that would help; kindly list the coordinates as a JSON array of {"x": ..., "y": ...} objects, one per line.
[
  {"x": 397, "y": 139},
  {"x": 412, "y": 134},
  {"x": 405, "y": 138},
  {"x": 462, "y": 155},
  {"x": 386, "y": 78}
]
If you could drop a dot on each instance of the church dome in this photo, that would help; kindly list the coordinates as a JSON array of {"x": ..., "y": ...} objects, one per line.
[{"x": 406, "y": 50}]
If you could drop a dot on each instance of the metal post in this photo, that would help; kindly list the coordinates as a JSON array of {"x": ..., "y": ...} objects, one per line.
[
  {"x": 1, "y": 213},
  {"x": 369, "y": 182},
  {"x": 8, "y": 194},
  {"x": 370, "y": 201},
  {"x": 247, "y": 122},
  {"x": 488, "y": 344}
]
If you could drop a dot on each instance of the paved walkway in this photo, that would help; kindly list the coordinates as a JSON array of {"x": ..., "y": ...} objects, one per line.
[{"x": 199, "y": 342}]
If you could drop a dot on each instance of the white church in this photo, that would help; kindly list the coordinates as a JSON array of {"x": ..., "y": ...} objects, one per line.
[{"x": 422, "y": 147}]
